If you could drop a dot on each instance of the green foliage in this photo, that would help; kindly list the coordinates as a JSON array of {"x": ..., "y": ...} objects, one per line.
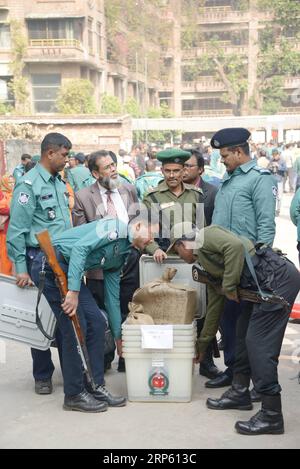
[
  {"x": 132, "y": 107},
  {"x": 111, "y": 105},
  {"x": 76, "y": 97},
  {"x": 19, "y": 84},
  {"x": 273, "y": 95}
]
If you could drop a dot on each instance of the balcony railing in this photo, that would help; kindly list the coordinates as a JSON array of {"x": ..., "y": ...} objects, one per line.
[
  {"x": 203, "y": 84},
  {"x": 219, "y": 14},
  {"x": 207, "y": 112},
  {"x": 292, "y": 82},
  {"x": 205, "y": 48},
  {"x": 3, "y": 3},
  {"x": 55, "y": 43}
]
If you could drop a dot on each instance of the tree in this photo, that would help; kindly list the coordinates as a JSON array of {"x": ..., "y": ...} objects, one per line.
[
  {"x": 19, "y": 83},
  {"x": 76, "y": 97},
  {"x": 278, "y": 58},
  {"x": 111, "y": 105}
]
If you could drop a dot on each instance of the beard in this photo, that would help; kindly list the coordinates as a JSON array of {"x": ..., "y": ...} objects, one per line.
[{"x": 109, "y": 183}]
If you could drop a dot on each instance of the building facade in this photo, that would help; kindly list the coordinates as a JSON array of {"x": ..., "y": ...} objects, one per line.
[{"x": 151, "y": 51}]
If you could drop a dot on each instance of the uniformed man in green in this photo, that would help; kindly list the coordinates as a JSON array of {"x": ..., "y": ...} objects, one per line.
[
  {"x": 40, "y": 201},
  {"x": 80, "y": 177},
  {"x": 19, "y": 170},
  {"x": 175, "y": 200},
  {"x": 232, "y": 260}
]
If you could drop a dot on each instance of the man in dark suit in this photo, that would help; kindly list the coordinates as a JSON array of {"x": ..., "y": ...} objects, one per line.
[
  {"x": 108, "y": 197},
  {"x": 193, "y": 170}
]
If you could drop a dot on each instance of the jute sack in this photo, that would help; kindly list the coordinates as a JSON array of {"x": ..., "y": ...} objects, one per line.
[
  {"x": 166, "y": 302},
  {"x": 136, "y": 316}
]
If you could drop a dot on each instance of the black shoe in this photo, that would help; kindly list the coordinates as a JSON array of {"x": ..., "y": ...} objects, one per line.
[
  {"x": 255, "y": 397},
  {"x": 84, "y": 402},
  {"x": 103, "y": 395},
  {"x": 121, "y": 365},
  {"x": 268, "y": 421},
  {"x": 43, "y": 386},
  {"x": 210, "y": 371},
  {"x": 220, "y": 381},
  {"x": 237, "y": 397}
]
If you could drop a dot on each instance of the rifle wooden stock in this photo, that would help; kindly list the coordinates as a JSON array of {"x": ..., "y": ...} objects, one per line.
[
  {"x": 46, "y": 246},
  {"x": 202, "y": 276}
]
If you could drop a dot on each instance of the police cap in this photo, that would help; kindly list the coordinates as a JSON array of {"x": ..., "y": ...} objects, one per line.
[
  {"x": 230, "y": 137},
  {"x": 173, "y": 155},
  {"x": 80, "y": 157}
]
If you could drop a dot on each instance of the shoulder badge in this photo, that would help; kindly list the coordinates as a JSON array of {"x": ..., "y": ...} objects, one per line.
[
  {"x": 23, "y": 198},
  {"x": 113, "y": 235},
  {"x": 275, "y": 191},
  {"x": 27, "y": 181},
  {"x": 261, "y": 170}
]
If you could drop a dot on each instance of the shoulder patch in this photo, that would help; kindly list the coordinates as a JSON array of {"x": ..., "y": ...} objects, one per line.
[
  {"x": 23, "y": 198},
  {"x": 113, "y": 235},
  {"x": 27, "y": 181},
  {"x": 261, "y": 170},
  {"x": 275, "y": 191}
]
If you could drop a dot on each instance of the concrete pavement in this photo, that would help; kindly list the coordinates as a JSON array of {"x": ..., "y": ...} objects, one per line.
[{"x": 31, "y": 421}]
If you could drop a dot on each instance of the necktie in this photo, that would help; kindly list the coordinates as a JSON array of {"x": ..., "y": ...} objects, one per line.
[{"x": 111, "y": 209}]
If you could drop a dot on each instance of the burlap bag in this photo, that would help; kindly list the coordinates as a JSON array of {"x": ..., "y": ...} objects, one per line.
[
  {"x": 166, "y": 302},
  {"x": 136, "y": 316}
]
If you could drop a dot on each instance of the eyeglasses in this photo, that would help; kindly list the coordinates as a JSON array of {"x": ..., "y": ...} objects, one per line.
[{"x": 187, "y": 165}]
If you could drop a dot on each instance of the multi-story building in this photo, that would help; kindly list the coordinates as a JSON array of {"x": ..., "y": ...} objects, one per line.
[
  {"x": 138, "y": 49},
  {"x": 232, "y": 27},
  {"x": 67, "y": 39}
]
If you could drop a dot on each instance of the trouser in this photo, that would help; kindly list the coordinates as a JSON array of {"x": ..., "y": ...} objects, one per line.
[
  {"x": 232, "y": 312},
  {"x": 96, "y": 288},
  {"x": 93, "y": 326},
  {"x": 42, "y": 364},
  {"x": 260, "y": 332}
]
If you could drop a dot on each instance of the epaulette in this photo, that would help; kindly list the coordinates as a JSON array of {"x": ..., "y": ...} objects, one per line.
[
  {"x": 261, "y": 170},
  {"x": 193, "y": 188}
]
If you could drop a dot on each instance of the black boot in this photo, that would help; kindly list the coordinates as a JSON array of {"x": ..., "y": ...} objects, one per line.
[
  {"x": 84, "y": 402},
  {"x": 237, "y": 397},
  {"x": 207, "y": 367},
  {"x": 269, "y": 420}
]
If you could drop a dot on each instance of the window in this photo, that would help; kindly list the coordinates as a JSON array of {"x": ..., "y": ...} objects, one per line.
[
  {"x": 98, "y": 33},
  {"x": 45, "y": 89},
  {"x": 5, "y": 42},
  {"x": 6, "y": 95},
  {"x": 90, "y": 32},
  {"x": 204, "y": 104},
  {"x": 55, "y": 29}
]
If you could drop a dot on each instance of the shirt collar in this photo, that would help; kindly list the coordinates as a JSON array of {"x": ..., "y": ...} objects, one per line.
[
  {"x": 45, "y": 174},
  {"x": 243, "y": 168}
]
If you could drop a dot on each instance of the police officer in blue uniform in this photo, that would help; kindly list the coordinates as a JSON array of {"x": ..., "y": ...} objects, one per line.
[
  {"x": 40, "y": 201},
  {"x": 245, "y": 204}
]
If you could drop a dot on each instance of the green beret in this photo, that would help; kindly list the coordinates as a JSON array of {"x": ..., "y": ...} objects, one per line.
[
  {"x": 36, "y": 158},
  {"x": 173, "y": 156},
  {"x": 71, "y": 154}
]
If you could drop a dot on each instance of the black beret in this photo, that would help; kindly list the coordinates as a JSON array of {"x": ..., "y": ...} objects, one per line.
[
  {"x": 230, "y": 137},
  {"x": 80, "y": 157}
]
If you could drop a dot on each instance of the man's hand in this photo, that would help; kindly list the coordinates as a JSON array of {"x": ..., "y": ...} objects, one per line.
[
  {"x": 70, "y": 304},
  {"x": 232, "y": 296},
  {"x": 24, "y": 280},
  {"x": 119, "y": 347},
  {"x": 199, "y": 357},
  {"x": 159, "y": 256}
]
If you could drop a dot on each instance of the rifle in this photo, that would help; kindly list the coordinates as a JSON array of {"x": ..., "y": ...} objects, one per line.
[
  {"x": 253, "y": 296},
  {"x": 61, "y": 280}
]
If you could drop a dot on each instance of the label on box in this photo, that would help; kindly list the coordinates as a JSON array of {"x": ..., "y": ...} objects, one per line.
[{"x": 157, "y": 337}]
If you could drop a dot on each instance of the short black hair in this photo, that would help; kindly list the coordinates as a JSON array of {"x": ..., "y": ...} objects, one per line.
[
  {"x": 55, "y": 140},
  {"x": 244, "y": 146},
  {"x": 25, "y": 157},
  {"x": 94, "y": 157},
  {"x": 199, "y": 157},
  {"x": 29, "y": 166}
]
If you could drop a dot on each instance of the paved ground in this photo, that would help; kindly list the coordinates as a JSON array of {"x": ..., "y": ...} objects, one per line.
[{"x": 31, "y": 421}]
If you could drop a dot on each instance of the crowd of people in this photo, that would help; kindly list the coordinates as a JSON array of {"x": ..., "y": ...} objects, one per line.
[{"x": 104, "y": 210}]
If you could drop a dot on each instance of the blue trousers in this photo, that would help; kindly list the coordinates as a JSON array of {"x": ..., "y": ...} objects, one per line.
[{"x": 93, "y": 325}]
